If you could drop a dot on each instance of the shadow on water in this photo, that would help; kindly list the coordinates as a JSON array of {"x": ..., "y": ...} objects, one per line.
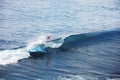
[{"x": 95, "y": 54}]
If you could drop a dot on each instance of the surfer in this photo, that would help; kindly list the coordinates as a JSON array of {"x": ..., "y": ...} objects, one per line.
[
  {"x": 49, "y": 43},
  {"x": 49, "y": 38}
]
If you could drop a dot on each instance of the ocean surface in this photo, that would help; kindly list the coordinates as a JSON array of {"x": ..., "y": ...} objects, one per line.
[{"x": 91, "y": 32}]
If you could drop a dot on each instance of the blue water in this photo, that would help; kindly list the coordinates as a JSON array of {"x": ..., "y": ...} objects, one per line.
[{"x": 91, "y": 53}]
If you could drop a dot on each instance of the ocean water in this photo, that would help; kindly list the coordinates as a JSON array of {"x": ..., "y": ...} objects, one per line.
[{"x": 91, "y": 31}]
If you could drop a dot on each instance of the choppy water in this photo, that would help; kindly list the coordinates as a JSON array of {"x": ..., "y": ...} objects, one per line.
[{"x": 93, "y": 58}]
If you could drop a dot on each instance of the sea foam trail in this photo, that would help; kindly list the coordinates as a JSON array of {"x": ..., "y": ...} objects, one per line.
[{"x": 12, "y": 56}]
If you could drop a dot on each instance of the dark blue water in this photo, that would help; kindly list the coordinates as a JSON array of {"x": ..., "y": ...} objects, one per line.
[{"x": 91, "y": 48}]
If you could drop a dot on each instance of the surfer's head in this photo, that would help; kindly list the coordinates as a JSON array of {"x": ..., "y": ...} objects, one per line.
[{"x": 49, "y": 37}]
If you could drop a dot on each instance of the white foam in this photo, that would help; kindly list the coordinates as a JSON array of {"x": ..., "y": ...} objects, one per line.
[
  {"x": 39, "y": 40},
  {"x": 54, "y": 44},
  {"x": 12, "y": 56}
]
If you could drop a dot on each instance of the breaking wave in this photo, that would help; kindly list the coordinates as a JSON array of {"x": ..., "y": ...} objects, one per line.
[{"x": 64, "y": 43}]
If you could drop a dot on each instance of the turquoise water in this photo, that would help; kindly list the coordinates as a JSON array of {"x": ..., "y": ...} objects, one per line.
[{"x": 95, "y": 57}]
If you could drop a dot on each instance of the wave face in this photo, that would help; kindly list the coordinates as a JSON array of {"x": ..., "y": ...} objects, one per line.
[{"x": 78, "y": 40}]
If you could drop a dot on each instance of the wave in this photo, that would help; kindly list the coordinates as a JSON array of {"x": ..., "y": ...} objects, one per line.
[
  {"x": 61, "y": 44},
  {"x": 74, "y": 41},
  {"x": 79, "y": 40}
]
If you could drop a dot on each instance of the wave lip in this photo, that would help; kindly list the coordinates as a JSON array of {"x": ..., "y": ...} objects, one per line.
[{"x": 42, "y": 48}]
